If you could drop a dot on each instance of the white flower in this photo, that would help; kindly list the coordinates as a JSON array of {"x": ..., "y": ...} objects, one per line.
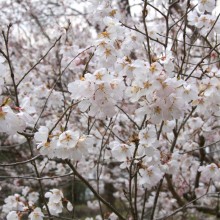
[
  {"x": 193, "y": 17},
  {"x": 68, "y": 139},
  {"x": 69, "y": 206},
  {"x": 27, "y": 104},
  {"x": 84, "y": 88},
  {"x": 55, "y": 195},
  {"x": 209, "y": 171},
  {"x": 37, "y": 214},
  {"x": 206, "y": 5},
  {"x": 14, "y": 202},
  {"x": 147, "y": 136},
  {"x": 33, "y": 197},
  {"x": 99, "y": 91},
  {"x": 113, "y": 216},
  {"x": 152, "y": 155},
  {"x": 49, "y": 148},
  {"x": 10, "y": 122},
  {"x": 121, "y": 152},
  {"x": 81, "y": 149},
  {"x": 42, "y": 134},
  {"x": 169, "y": 163},
  {"x": 69, "y": 144},
  {"x": 25, "y": 190},
  {"x": 150, "y": 176},
  {"x": 12, "y": 216},
  {"x": 73, "y": 146},
  {"x": 55, "y": 208},
  {"x": 55, "y": 201}
]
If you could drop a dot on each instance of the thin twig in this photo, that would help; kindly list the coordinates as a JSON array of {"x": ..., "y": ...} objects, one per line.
[{"x": 33, "y": 67}]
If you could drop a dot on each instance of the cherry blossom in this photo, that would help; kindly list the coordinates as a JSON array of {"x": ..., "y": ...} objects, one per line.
[
  {"x": 206, "y": 5},
  {"x": 150, "y": 176},
  {"x": 119, "y": 99},
  {"x": 12, "y": 216},
  {"x": 10, "y": 122},
  {"x": 121, "y": 152},
  {"x": 210, "y": 171},
  {"x": 37, "y": 214}
]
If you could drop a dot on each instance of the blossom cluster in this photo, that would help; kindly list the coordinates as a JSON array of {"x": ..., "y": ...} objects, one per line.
[
  {"x": 99, "y": 92},
  {"x": 151, "y": 162},
  {"x": 17, "y": 205},
  {"x": 56, "y": 200},
  {"x": 125, "y": 103},
  {"x": 66, "y": 145},
  {"x": 161, "y": 97}
]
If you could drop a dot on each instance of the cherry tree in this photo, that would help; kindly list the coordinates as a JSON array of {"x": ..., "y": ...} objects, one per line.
[{"x": 120, "y": 96}]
